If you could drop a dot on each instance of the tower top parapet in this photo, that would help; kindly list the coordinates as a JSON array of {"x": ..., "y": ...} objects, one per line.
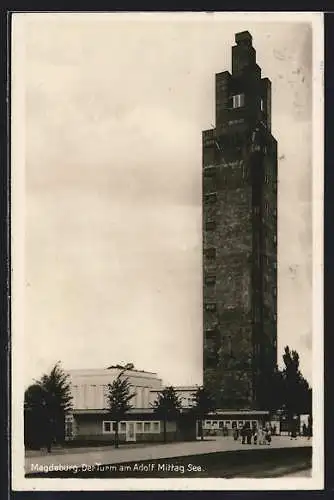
[{"x": 243, "y": 38}]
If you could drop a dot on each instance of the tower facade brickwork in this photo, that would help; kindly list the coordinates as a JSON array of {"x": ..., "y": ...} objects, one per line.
[{"x": 240, "y": 235}]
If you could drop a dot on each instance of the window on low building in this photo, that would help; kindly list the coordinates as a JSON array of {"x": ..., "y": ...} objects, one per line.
[
  {"x": 122, "y": 427},
  {"x": 139, "y": 427},
  {"x": 106, "y": 426},
  {"x": 221, "y": 424},
  {"x": 156, "y": 427},
  {"x": 147, "y": 426}
]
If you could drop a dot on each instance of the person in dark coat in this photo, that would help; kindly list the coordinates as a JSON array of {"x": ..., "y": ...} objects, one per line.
[
  {"x": 243, "y": 434},
  {"x": 254, "y": 432},
  {"x": 268, "y": 435},
  {"x": 248, "y": 433}
]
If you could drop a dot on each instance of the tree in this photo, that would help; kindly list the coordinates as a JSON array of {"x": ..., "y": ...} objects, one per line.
[
  {"x": 36, "y": 429},
  {"x": 119, "y": 397},
  {"x": 204, "y": 404},
  {"x": 167, "y": 406},
  {"x": 47, "y": 402},
  {"x": 297, "y": 392},
  {"x": 59, "y": 399},
  {"x": 271, "y": 395}
]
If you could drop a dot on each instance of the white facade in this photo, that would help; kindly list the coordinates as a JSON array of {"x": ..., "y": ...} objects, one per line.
[
  {"x": 185, "y": 394},
  {"x": 90, "y": 387}
]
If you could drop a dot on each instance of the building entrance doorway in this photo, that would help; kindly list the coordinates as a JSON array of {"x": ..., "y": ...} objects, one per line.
[{"x": 130, "y": 431}]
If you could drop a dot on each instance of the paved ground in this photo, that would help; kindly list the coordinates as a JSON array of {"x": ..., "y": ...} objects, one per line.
[
  {"x": 110, "y": 455},
  {"x": 301, "y": 473}
]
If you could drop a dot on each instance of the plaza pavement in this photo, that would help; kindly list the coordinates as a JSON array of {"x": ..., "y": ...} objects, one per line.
[
  {"x": 301, "y": 473},
  {"x": 126, "y": 453}
]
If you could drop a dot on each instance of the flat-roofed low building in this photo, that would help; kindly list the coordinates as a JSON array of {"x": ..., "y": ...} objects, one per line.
[
  {"x": 90, "y": 418},
  {"x": 90, "y": 387}
]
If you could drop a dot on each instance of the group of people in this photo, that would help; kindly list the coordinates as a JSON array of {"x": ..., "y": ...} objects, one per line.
[{"x": 253, "y": 435}]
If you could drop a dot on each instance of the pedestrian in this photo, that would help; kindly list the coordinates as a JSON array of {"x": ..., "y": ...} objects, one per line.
[
  {"x": 260, "y": 436},
  {"x": 255, "y": 434},
  {"x": 304, "y": 430},
  {"x": 243, "y": 434},
  {"x": 248, "y": 433},
  {"x": 268, "y": 435}
]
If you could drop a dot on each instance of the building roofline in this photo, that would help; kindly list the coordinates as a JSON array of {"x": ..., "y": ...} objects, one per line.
[
  {"x": 105, "y": 371},
  {"x": 239, "y": 412},
  {"x": 179, "y": 388}
]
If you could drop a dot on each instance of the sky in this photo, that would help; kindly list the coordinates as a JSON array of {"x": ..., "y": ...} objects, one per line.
[{"x": 114, "y": 111}]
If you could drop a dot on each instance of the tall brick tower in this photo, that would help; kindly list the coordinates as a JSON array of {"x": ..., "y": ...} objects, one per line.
[{"x": 240, "y": 235}]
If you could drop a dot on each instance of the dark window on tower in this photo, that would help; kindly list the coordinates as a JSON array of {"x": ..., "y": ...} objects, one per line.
[
  {"x": 209, "y": 171},
  {"x": 210, "y": 360},
  {"x": 210, "y": 253},
  {"x": 210, "y": 225},
  {"x": 210, "y": 198},
  {"x": 210, "y": 334},
  {"x": 235, "y": 122},
  {"x": 211, "y": 307},
  {"x": 210, "y": 280}
]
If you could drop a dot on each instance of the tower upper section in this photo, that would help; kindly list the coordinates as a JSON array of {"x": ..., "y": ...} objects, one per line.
[{"x": 243, "y": 98}]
